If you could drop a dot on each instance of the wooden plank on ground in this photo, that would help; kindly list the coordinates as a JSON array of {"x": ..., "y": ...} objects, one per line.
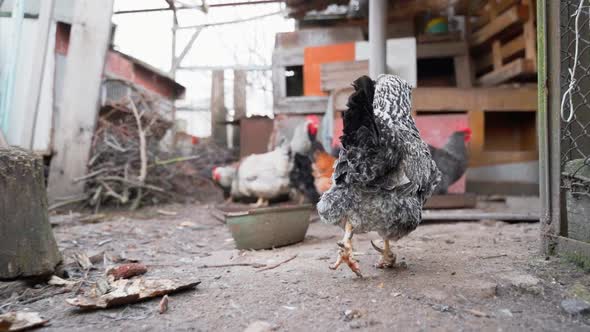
[
  {"x": 569, "y": 246},
  {"x": 452, "y": 201},
  {"x": 512, "y": 16},
  {"x": 507, "y": 72},
  {"x": 89, "y": 39},
  {"x": 476, "y": 214}
]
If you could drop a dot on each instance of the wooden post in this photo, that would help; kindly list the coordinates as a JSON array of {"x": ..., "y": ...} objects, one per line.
[
  {"x": 37, "y": 71},
  {"x": 240, "y": 82},
  {"x": 218, "y": 110},
  {"x": 76, "y": 116},
  {"x": 27, "y": 245}
]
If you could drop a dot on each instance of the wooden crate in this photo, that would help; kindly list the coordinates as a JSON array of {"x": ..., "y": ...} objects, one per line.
[{"x": 503, "y": 43}]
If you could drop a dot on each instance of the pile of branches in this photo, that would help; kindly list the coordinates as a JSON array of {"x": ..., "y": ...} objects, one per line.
[{"x": 127, "y": 167}]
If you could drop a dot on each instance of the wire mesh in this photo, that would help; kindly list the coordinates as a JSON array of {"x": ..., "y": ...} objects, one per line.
[{"x": 575, "y": 95}]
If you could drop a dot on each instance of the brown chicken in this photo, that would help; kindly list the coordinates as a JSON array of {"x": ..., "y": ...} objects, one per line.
[{"x": 323, "y": 167}]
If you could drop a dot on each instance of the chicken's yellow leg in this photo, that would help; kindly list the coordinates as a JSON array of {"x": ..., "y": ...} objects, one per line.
[
  {"x": 388, "y": 258},
  {"x": 345, "y": 252},
  {"x": 261, "y": 202}
]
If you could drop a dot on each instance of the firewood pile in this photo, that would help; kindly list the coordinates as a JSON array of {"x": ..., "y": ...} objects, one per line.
[{"x": 127, "y": 166}]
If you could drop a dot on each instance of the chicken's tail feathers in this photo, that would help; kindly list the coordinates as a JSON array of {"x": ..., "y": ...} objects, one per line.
[{"x": 360, "y": 111}]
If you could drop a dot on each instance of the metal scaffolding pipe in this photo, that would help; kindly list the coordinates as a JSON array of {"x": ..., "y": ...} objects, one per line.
[{"x": 377, "y": 41}]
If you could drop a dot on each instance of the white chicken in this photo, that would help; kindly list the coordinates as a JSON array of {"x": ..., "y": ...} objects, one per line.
[{"x": 266, "y": 176}]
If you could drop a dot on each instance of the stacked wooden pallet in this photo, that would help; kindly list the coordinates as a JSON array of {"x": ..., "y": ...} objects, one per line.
[{"x": 503, "y": 42}]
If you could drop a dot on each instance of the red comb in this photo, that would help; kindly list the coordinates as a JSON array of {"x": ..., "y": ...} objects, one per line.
[{"x": 467, "y": 132}]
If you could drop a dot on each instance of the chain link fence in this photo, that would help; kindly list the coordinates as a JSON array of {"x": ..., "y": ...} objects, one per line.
[{"x": 575, "y": 98}]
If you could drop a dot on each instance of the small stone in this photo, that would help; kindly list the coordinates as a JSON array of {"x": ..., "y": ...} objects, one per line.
[
  {"x": 441, "y": 307},
  {"x": 259, "y": 326},
  {"x": 488, "y": 222},
  {"x": 449, "y": 241},
  {"x": 524, "y": 283},
  {"x": 575, "y": 306},
  {"x": 351, "y": 314},
  {"x": 505, "y": 312}
]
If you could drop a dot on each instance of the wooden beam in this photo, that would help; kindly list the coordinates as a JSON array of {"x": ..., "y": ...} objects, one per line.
[
  {"x": 240, "y": 83},
  {"x": 302, "y": 105},
  {"x": 441, "y": 50},
  {"x": 405, "y": 9},
  {"x": 460, "y": 100},
  {"x": 457, "y": 215},
  {"x": 488, "y": 158},
  {"x": 514, "y": 15},
  {"x": 507, "y": 72},
  {"x": 491, "y": 10},
  {"x": 464, "y": 74},
  {"x": 530, "y": 34},
  {"x": 218, "y": 110},
  {"x": 451, "y": 201},
  {"x": 338, "y": 75},
  {"x": 487, "y": 99},
  {"x": 178, "y": 60},
  {"x": 76, "y": 118},
  {"x": 506, "y": 51}
]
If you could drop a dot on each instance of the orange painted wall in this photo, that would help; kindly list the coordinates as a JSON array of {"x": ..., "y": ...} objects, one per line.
[{"x": 313, "y": 57}]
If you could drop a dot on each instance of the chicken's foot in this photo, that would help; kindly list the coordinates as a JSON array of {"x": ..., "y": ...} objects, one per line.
[
  {"x": 301, "y": 200},
  {"x": 388, "y": 258},
  {"x": 261, "y": 202},
  {"x": 345, "y": 252}
]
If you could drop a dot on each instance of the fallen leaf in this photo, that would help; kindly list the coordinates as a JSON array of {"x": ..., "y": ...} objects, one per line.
[
  {"x": 57, "y": 281},
  {"x": 20, "y": 321},
  {"x": 127, "y": 271},
  {"x": 126, "y": 291},
  {"x": 83, "y": 260},
  {"x": 380, "y": 285}
]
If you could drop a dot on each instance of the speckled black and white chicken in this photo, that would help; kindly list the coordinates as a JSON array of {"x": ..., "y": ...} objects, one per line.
[{"x": 384, "y": 173}]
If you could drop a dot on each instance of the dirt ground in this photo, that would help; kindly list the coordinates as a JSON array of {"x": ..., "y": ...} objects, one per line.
[{"x": 468, "y": 276}]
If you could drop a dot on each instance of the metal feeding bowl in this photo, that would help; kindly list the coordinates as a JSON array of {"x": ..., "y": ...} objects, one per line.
[{"x": 268, "y": 227}]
